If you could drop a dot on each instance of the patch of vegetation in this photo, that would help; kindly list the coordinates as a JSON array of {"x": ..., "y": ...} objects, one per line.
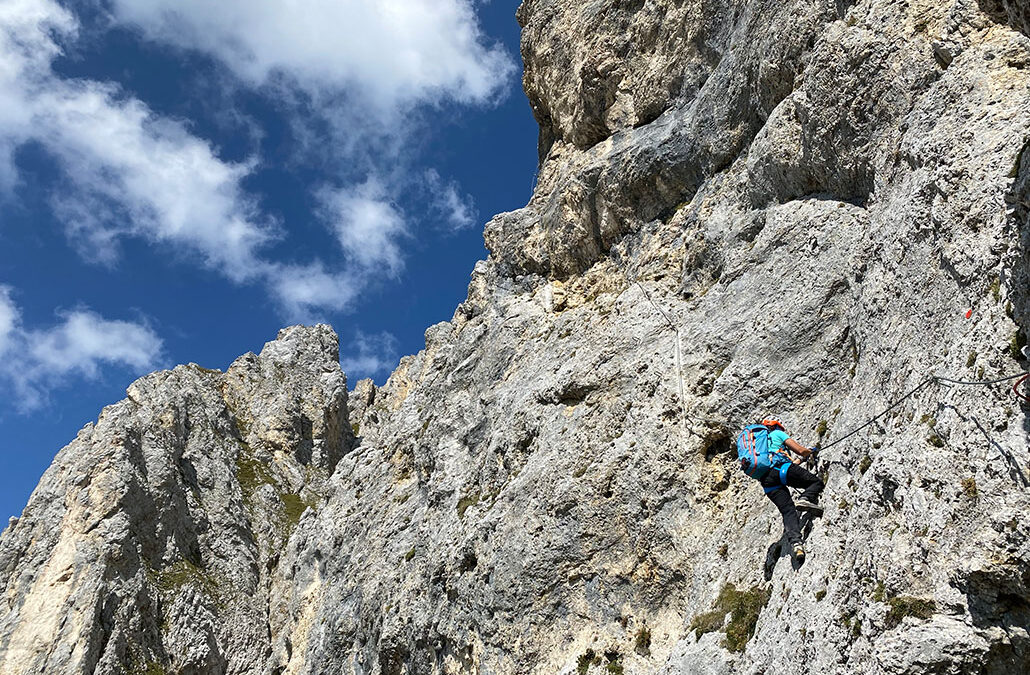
[
  {"x": 178, "y": 575},
  {"x": 356, "y": 428},
  {"x": 880, "y": 592},
  {"x": 864, "y": 464},
  {"x": 409, "y": 555},
  {"x": 852, "y": 623},
  {"x": 587, "y": 659},
  {"x": 614, "y": 659},
  {"x": 724, "y": 549},
  {"x": 996, "y": 289},
  {"x": 293, "y": 508},
  {"x": 820, "y": 429},
  {"x": 252, "y": 473},
  {"x": 935, "y": 440},
  {"x": 819, "y": 595},
  {"x": 906, "y": 605},
  {"x": 642, "y": 642},
  {"x": 709, "y": 622},
  {"x": 928, "y": 420},
  {"x": 140, "y": 665},
  {"x": 969, "y": 487},
  {"x": 743, "y": 608},
  {"x": 971, "y": 360},
  {"x": 1017, "y": 343},
  {"x": 465, "y": 502}
]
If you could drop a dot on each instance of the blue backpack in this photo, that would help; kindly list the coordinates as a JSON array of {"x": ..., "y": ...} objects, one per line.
[{"x": 753, "y": 453}]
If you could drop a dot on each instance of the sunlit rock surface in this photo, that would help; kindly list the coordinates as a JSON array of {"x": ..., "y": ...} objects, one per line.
[{"x": 815, "y": 194}]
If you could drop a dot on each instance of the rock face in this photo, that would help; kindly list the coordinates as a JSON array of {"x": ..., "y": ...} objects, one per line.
[
  {"x": 743, "y": 208},
  {"x": 150, "y": 544}
]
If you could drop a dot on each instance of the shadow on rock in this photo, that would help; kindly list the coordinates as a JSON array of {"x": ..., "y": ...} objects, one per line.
[{"x": 1014, "y": 13}]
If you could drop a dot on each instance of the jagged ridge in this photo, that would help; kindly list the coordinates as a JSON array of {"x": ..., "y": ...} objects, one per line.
[{"x": 815, "y": 192}]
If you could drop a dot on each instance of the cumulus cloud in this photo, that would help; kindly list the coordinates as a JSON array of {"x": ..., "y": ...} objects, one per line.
[
  {"x": 128, "y": 172},
  {"x": 390, "y": 52},
  {"x": 33, "y": 361},
  {"x": 457, "y": 210},
  {"x": 303, "y": 290},
  {"x": 369, "y": 355},
  {"x": 367, "y": 225},
  {"x": 8, "y": 318}
]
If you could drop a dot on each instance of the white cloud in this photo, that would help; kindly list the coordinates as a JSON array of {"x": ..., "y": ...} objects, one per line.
[
  {"x": 129, "y": 172},
  {"x": 302, "y": 290},
  {"x": 34, "y": 361},
  {"x": 367, "y": 225},
  {"x": 8, "y": 318},
  {"x": 369, "y": 355},
  {"x": 457, "y": 211},
  {"x": 389, "y": 52}
]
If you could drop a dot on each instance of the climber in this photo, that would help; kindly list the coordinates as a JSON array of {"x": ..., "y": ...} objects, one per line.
[{"x": 762, "y": 450}]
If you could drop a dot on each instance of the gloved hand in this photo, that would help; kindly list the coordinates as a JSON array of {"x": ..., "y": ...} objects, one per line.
[{"x": 815, "y": 452}]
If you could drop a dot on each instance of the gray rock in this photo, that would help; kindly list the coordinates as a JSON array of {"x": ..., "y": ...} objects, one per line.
[
  {"x": 149, "y": 544},
  {"x": 743, "y": 209}
]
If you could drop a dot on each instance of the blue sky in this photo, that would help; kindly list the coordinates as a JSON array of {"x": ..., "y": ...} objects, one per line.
[{"x": 179, "y": 179}]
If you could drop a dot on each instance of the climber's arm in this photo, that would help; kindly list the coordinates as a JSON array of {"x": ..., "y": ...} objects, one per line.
[{"x": 797, "y": 448}]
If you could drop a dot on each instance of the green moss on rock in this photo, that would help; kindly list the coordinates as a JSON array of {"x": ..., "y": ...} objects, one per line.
[
  {"x": 252, "y": 473},
  {"x": 906, "y": 605},
  {"x": 743, "y": 608},
  {"x": 467, "y": 501},
  {"x": 293, "y": 508},
  {"x": 587, "y": 659},
  {"x": 643, "y": 641}
]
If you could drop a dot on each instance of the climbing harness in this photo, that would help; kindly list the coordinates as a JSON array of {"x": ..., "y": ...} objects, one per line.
[{"x": 933, "y": 379}]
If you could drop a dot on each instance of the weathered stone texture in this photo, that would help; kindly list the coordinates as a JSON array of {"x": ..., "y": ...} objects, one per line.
[{"x": 814, "y": 193}]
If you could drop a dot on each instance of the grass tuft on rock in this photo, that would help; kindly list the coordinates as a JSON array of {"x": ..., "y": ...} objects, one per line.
[
  {"x": 587, "y": 659},
  {"x": 864, "y": 464},
  {"x": 743, "y": 608},
  {"x": 293, "y": 508},
  {"x": 642, "y": 642},
  {"x": 614, "y": 665},
  {"x": 906, "y": 605},
  {"x": 467, "y": 501},
  {"x": 174, "y": 577},
  {"x": 1016, "y": 344}
]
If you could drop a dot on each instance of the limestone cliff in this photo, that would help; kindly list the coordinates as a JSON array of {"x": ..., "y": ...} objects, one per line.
[{"x": 743, "y": 208}]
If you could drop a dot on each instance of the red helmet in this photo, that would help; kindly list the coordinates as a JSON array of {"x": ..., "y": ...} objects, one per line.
[{"x": 772, "y": 422}]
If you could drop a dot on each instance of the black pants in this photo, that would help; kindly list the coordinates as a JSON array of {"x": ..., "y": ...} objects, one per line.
[{"x": 797, "y": 477}]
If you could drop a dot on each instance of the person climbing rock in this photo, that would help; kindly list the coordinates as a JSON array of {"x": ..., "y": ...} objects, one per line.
[{"x": 763, "y": 452}]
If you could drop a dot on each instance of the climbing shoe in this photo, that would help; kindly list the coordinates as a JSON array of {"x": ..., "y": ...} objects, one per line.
[
  {"x": 808, "y": 506},
  {"x": 799, "y": 551}
]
